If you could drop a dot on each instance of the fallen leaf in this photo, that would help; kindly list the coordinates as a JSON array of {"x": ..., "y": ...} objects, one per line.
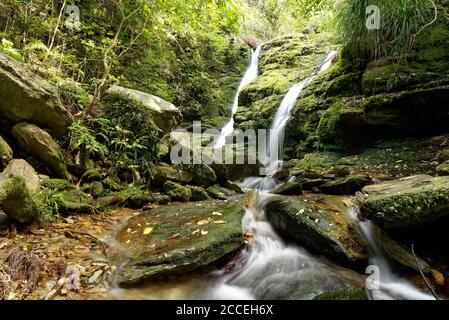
[
  {"x": 220, "y": 222},
  {"x": 203, "y": 232},
  {"x": 175, "y": 236},
  {"x": 147, "y": 231},
  {"x": 196, "y": 231},
  {"x": 202, "y": 222},
  {"x": 216, "y": 214}
]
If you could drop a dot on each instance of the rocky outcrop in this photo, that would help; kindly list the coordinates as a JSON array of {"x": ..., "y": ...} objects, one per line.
[
  {"x": 408, "y": 203},
  {"x": 40, "y": 144},
  {"x": 321, "y": 223},
  {"x": 164, "y": 172},
  {"x": 177, "y": 192},
  {"x": 178, "y": 238},
  {"x": 26, "y": 97},
  {"x": 19, "y": 183},
  {"x": 6, "y": 153},
  {"x": 164, "y": 114}
]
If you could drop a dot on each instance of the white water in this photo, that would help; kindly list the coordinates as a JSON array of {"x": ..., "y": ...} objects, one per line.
[
  {"x": 250, "y": 75},
  {"x": 277, "y": 131},
  {"x": 269, "y": 268},
  {"x": 391, "y": 287}
]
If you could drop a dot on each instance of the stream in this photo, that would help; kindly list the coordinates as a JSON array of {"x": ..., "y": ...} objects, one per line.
[{"x": 269, "y": 268}]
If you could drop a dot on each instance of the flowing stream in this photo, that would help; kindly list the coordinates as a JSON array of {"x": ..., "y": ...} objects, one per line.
[
  {"x": 250, "y": 75},
  {"x": 269, "y": 268}
]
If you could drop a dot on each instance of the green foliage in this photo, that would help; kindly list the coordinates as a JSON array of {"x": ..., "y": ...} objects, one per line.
[
  {"x": 401, "y": 22},
  {"x": 7, "y": 47},
  {"x": 47, "y": 203}
]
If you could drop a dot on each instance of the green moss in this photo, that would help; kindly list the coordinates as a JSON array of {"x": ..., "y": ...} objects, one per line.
[
  {"x": 95, "y": 189},
  {"x": 443, "y": 169},
  {"x": 57, "y": 184},
  {"x": 177, "y": 192},
  {"x": 17, "y": 201}
]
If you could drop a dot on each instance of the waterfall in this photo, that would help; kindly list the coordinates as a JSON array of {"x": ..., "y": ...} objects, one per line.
[
  {"x": 391, "y": 287},
  {"x": 277, "y": 131},
  {"x": 250, "y": 75}
]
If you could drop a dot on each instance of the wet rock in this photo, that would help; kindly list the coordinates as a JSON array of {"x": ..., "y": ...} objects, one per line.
[
  {"x": 346, "y": 186},
  {"x": 443, "y": 169},
  {"x": 282, "y": 174},
  {"x": 309, "y": 184},
  {"x": 199, "y": 193},
  {"x": 321, "y": 223},
  {"x": 289, "y": 189},
  {"x": 19, "y": 183},
  {"x": 221, "y": 172},
  {"x": 178, "y": 238},
  {"x": 139, "y": 201},
  {"x": 26, "y": 97},
  {"x": 233, "y": 187},
  {"x": 408, "y": 203},
  {"x": 177, "y": 192},
  {"x": 220, "y": 193},
  {"x": 6, "y": 153},
  {"x": 40, "y": 144},
  {"x": 161, "y": 198},
  {"x": 164, "y": 172},
  {"x": 164, "y": 114}
]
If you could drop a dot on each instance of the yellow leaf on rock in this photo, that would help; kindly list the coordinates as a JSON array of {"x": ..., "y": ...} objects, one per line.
[
  {"x": 203, "y": 233},
  {"x": 147, "y": 231},
  {"x": 220, "y": 222},
  {"x": 216, "y": 214},
  {"x": 196, "y": 231}
]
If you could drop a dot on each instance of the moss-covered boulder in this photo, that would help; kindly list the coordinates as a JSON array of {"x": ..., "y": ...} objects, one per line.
[
  {"x": 57, "y": 184},
  {"x": 203, "y": 175},
  {"x": 321, "y": 223},
  {"x": 40, "y": 144},
  {"x": 164, "y": 172},
  {"x": 408, "y": 203},
  {"x": 443, "y": 169},
  {"x": 346, "y": 186},
  {"x": 95, "y": 188},
  {"x": 19, "y": 183},
  {"x": 26, "y": 97},
  {"x": 91, "y": 175},
  {"x": 220, "y": 193},
  {"x": 74, "y": 201},
  {"x": 6, "y": 153},
  {"x": 177, "y": 192},
  {"x": 199, "y": 193},
  {"x": 178, "y": 238},
  {"x": 164, "y": 114},
  {"x": 289, "y": 189}
]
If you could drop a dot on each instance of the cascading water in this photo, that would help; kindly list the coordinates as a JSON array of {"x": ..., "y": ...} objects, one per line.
[
  {"x": 250, "y": 75},
  {"x": 390, "y": 286},
  {"x": 275, "y": 148}
]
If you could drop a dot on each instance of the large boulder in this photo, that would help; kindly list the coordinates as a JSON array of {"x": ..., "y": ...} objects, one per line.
[
  {"x": 6, "y": 153},
  {"x": 24, "y": 96},
  {"x": 408, "y": 203},
  {"x": 178, "y": 238},
  {"x": 203, "y": 175},
  {"x": 40, "y": 144},
  {"x": 18, "y": 184},
  {"x": 177, "y": 192},
  {"x": 164, "y": 114},
  {"x": 321, "y": 223},
  {"x": 164, "y": 172}
]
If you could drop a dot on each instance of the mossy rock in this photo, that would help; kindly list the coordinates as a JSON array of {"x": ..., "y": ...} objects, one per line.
[
  {"x": 220, "y": 193},
  {"x": 95, "y": 188},
  {"x": 164, "y": 172},
  {"x": 74, "y": 201},
  {"x": 112, "y": 184},
  {"x": 203, "y": 175},
  {"x": 346, "y": 186},
  {"x": 40, "y": 144},
  {"x": 199, "y": 193},
  {"x": 343, "y": 294},
  {"x": 289, "y": 189},
  {"x": 321, "y": 223},
  {"x": 177, "y": 192},
  {"x": 91, "y": 175},
  {"x": 6, "y": 153},
  {"x": 406, "y": 204},
  {"x": 178, "y": 238},
  {"x": 57, "y": 184},
  {"x": 443, "y": 169}
]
